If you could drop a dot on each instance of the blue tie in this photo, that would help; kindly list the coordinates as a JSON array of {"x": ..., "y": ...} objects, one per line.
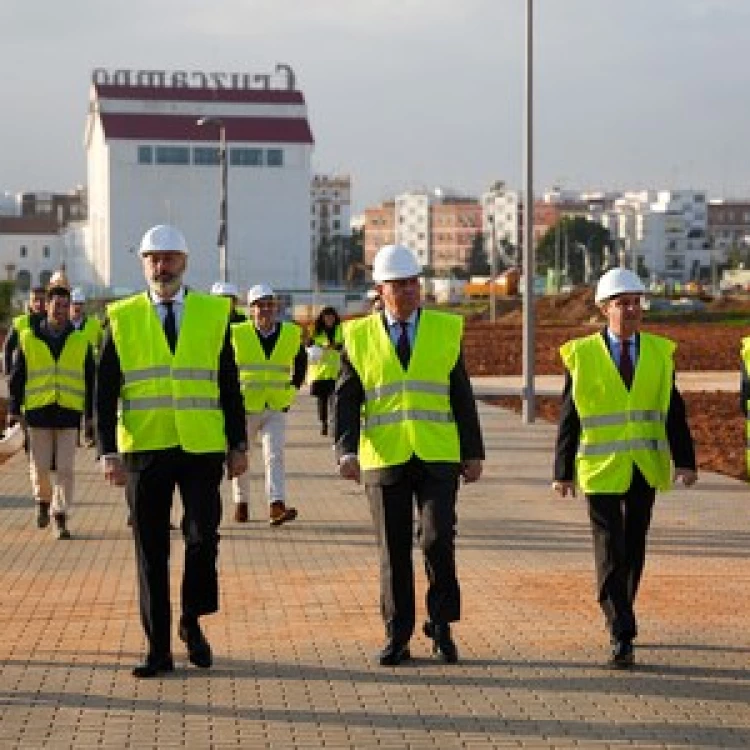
[
  {"x": 626, "y": 363},
  {"x": 403, "y": 348}
]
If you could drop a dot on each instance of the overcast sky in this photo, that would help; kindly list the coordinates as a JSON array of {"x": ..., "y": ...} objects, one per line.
[{"x": 414, "y": 93}]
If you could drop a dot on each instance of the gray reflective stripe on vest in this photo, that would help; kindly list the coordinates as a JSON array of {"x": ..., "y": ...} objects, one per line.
[
  {"x": 54, "y": 389},
  {"x": 412, "y": 386},
  {"x": 417, "y": 415},
  {"x": 167, "y": 402},
  {"x": 264, "y": 368},
  {"x": 45, "y": 373},
  {"x": 636, "y": 415},
  {"x": 70, "y": 373},
  {"x": 615, "y": 446},
  {"x": 164, "y": 371},
  {"x": 270, "y": 385}
]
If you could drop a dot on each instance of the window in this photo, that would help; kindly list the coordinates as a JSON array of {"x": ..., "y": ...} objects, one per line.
[
  {"x": 44, "y": 278},
  {"x": 145, "y": 155},
  {"x": 45, "y": 251},
  {"x": 205, "y": 155},
  {"x": 172, "y": 155},
  {"x": 312, "y": 224},
  {"x": 23, "y": 281},
  {"x": 336, "y": 224},
  {"x": 336, "y": 209},
  {"x": 24, "y": 251},
  {"x": 275, "y": 157},
  {"x": 246, "y": 157}
]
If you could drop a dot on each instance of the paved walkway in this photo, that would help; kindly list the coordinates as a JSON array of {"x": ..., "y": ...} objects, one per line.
[{"x": 299, "y": 623}]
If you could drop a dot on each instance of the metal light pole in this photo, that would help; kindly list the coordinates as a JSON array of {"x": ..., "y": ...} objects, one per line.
[
  {"x": 528, "y": 406},
  {"x": 493, "y": 269},
  {"x": 223, "y": 238}
]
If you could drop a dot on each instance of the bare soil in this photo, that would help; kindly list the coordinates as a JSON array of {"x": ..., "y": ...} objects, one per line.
[{"x": 716, "y": 421}]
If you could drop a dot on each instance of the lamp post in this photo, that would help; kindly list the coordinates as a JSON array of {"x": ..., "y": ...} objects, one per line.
[
  {"x": 528, "y": 405},
  {"x": 493, "y": 268},
  {"x": 223, "y": 238}
]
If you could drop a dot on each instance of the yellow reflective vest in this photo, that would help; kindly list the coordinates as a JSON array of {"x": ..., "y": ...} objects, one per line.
[
  {"x": 408, "y": 412},
  {"x": 620, "y": 427},
  {"x": 50, "y": 381},
  {"x": 22, "y": 322},
  {"x": 92, "y": 330},
  {"x": 170, "y": 400},
  {"x": 745, "y": 354},
  {"x": 266, "y": 381},
  {"x": 327, "y": 368}
]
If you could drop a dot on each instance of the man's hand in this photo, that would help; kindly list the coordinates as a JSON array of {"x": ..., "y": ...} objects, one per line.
[
  {"x": 114, "y": 471},
  {"x": 471, "y": 469},
  {"x": 236, "y": 463},
  {"x": 12, "y": 419},
  {"x": 564, "y": 488},
  {"x": 349, "y": 468},
  {"x": 687, "y": 476}
]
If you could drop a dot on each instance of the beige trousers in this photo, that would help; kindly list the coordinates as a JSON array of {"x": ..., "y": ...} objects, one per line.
[
  {"x": 270, "y": 426},
  {"x": 44, "y": 444}
]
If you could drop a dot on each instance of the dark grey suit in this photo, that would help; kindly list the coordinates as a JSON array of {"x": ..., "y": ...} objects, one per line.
[{"x": 395, "y": 490}]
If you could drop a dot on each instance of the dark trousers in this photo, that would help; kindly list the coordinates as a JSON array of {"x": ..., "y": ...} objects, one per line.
[
  {"x": 323, "y": 392},
  {"x": 619, "y": 525},
  {"x": 392, "y": 509},
  {"x": 151, "y": 481}
]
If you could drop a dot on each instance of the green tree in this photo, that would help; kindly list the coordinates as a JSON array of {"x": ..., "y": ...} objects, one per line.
[
  {"x": 582, "y": 236},
  {"x": 477, "y": 263},
  {"x": 7, "y": 288}
]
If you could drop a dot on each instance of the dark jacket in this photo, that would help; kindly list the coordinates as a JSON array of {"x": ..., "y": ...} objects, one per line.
[
  {"x": 11, "y": 343},
  {"x": 53, "y": 415},
  {"x": 569, "y": 430},
  {"x": 349, "y": 398},
  {"x": 109, "y": 384}
]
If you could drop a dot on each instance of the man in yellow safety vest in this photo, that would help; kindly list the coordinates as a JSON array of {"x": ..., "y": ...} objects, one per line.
[
  {"x": 622, "y": 423},
  {"x": 406, "y": 424}
]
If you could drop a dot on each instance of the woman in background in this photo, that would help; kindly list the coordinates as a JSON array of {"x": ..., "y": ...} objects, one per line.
[{"x": 324, "y": 360}]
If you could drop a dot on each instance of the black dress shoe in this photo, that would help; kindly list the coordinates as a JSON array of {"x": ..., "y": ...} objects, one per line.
[
  {"x": 153, "y": 666},
  {"x": 442, "y": 643},
  {"x": 623, "y": 655},
  {"x": 199, "y": 649},
  {"x": 393, "y": 654}
]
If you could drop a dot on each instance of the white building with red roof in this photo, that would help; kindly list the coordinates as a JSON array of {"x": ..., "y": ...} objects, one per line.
[{"x": 149, "y": 162}]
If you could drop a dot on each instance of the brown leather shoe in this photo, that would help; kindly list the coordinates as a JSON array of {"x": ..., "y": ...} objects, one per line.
[
  {"x": 280, "y": 513},
  {"x": 240, "y": 512}
]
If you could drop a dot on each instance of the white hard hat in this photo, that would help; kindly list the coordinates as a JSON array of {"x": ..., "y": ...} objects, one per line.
[
  {"x": 372, "y": 294},
  {"x": 224, "y": 289},
  {"x": 161, "y": 239},
  {"x": 394, "y": 262},
  {"x": 618, "y": 281},
  {"x": 12, "y": 440},
  {"x": 77, "y": 296},
  {"x": 314, "y": 353},
  {"x": 259, "y": 291}
]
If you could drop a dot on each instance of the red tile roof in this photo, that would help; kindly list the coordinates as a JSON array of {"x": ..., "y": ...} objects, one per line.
[
  {"x": 185, "y": 94},
  {"x": 129, "y": 126}
]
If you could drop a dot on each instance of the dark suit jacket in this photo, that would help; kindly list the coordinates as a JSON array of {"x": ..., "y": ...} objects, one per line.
[
  {"x": 109, "y": 383},
  {"x": 349, "y": 397},
  {"x": 569, "y": 431}
]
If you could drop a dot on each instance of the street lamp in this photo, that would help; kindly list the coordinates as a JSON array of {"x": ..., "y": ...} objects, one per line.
[
  {"x": 223, "y": 238},
  {"x": 528, "y": 405}
]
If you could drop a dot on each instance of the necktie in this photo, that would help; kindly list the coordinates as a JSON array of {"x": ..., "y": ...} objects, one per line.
[
  {"x": 170, "y": 325},
  {"x": 626, "y": 363},
  {"x": 403, "y": 348}
]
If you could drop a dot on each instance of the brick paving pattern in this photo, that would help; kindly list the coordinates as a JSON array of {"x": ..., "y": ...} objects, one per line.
[{"x": 299, "y": 624}]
